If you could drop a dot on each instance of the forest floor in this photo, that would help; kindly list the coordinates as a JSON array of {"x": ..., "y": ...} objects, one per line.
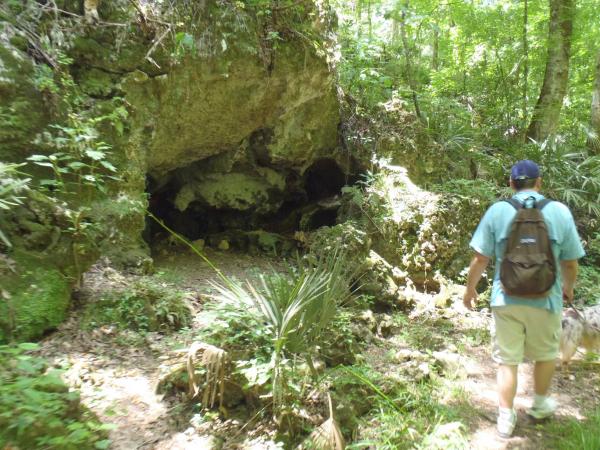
[{"x": 117, "y": 371}]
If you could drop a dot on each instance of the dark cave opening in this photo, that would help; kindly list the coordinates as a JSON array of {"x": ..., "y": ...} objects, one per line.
[
  {"x": 308, "y": 202},
  {"x": 323, "y": 179}
]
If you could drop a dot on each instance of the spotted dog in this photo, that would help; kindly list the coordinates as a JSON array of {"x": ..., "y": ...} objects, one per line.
[{"x": 580, "y": 329}]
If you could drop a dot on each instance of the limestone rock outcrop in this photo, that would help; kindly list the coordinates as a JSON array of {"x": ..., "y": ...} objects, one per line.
[{"x": 207, "y": 108}]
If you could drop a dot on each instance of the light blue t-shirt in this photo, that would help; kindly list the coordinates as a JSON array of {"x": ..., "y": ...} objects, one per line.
[{"x": 492, "y": 233}]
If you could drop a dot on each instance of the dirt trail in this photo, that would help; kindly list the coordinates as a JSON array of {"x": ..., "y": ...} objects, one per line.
[
  {"x": 576, "y": 390},
  {"x": 116, "y": 381},
  {"x": 117, "y": 373}
]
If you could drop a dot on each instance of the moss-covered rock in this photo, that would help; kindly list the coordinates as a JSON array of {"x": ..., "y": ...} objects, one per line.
[
  {"x": 214, "y": 99},
  {"x": 373, "y": 275},
  {"x": 423, "y": 233},
  {"x": 233, "y": 120},
  {"x": 37, "y": 297},
  {"x": 239, "y": 191},
  {"x": 49, "y": 252},
  {"x": 23, "y": 111}
]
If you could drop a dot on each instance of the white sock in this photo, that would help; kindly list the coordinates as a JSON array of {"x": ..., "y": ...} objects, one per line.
[
  {"x": 539, "y": 400},
  {"x": 505, "y": 411}
]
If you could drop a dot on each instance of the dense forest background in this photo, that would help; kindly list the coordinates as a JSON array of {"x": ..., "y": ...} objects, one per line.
[{"x": 491, "y": 81}]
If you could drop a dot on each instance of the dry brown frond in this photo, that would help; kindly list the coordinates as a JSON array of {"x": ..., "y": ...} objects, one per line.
[
  {"x": 327, "y": 436},
  {"x": 214, "y": 360}
]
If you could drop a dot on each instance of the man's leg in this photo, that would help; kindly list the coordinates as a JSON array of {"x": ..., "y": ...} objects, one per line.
[
  {"x": 543, "y": 337},
  {"x": 509, "y": 342},
  {"x": 542, "y": 376},
  {"x": 507, "y": 385}
]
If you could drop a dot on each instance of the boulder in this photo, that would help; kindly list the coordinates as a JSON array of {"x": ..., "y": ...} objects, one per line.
[
  {"x": 46, "y": 258},
  {"x": 374, "y": 276},
  {"x": 421, "y": 232},
  {"x": 36, "y": 298}
]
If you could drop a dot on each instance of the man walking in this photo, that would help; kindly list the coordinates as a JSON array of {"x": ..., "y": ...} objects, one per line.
[{"x": 527, "y": 320}]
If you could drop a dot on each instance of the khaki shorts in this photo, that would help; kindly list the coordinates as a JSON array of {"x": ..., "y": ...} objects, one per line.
[{"x": 520, "y": 331}]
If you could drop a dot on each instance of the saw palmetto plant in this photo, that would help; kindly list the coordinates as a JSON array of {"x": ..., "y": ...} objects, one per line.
[
  {"x": 296, "y": 308},
  {"x": 570, "y": 175}
]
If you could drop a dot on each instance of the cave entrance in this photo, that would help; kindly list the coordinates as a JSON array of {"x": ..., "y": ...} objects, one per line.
[
  {"x": 190, "y": 205},
  {"x": 324, "y": 179}
]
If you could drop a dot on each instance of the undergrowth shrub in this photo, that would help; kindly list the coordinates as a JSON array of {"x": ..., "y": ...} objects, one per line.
[
  {"x": 12, "y": 184},
  {"x": 340, "y": 345},
  {"x": 575, "y": 434},
  {"x": 482, "y": 190},
  {"x": 592, "y": 256},
  {"x": 569, "y": 175},
  {"x": 238, "y": 330},
  {"x": 405, "y": 414},
  {"x": 587, "y": 288},
  {"x": 37, "y": 410},
  {"x": 279, "y": 324},
  {"x": 146, "y": 305}
]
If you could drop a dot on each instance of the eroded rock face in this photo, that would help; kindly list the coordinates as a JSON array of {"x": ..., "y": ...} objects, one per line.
[
  {"x": 234, "y": 122},
  {"x": 235, "y": 190},
  {"x": 202, "y": 108},
  {"x": 229, "y": 111},
  {"x": 22, "y": 110},
  {"x": 424, "y": 233}
]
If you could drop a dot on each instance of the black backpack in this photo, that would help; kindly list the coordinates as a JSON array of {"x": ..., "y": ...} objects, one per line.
[{"x": 528, "y": 269}]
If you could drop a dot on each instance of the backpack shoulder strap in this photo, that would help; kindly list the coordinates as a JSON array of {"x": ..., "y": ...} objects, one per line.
[
  {"x": 514, "y": 203},
  {"x": 542, "y": 203}
]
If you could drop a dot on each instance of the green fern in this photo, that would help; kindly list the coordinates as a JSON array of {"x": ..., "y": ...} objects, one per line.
[{"x": 11, "y": 185}]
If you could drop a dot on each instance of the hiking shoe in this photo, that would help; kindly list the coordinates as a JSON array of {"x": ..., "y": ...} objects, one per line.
[
  {"x": 542, "y": 409},
  {"x": 507, "y": 419}
]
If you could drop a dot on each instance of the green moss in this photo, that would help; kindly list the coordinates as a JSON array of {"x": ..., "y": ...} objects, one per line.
[
  {"x": 39, "y": 297},
  {"x": 96, "y": 82},
  {"x": 22, "y": 110}
]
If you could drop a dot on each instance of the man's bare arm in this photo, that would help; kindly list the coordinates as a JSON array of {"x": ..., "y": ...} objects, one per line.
[
  {"x": 476, "y": 269},
  {"x": 568, "y": 270}
]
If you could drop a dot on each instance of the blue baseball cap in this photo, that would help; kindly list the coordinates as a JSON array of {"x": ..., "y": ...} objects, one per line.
[{"x": 524, "y": 169}]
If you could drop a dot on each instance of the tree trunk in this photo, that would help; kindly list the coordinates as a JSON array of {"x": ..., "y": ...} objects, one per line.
[
  {"x": 435, "y": 61},
  {"x": 408, "y": 62},
  {"x": 594, "y": 140},
  {"x": 358, "y": 18},
  {"x": 525, "y": 63},
  {"x": 369, "y": 19},
  {"x": 546, "y": 114}
]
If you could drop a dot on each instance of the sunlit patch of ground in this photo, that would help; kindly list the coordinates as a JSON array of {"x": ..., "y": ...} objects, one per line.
[
  {"x": 577, "y": 390},
  {"x": 117, "y": 371}
]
